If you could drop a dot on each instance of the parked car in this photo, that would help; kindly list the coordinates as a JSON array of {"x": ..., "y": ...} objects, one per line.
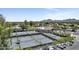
[
  {"x": 60, "y": 46},
  {"x": 64, "y": 45},
  {"x": 69, "y": 43},
  {"x": 56, "y": 48}
]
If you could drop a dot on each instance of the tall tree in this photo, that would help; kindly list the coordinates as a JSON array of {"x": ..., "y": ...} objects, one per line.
[
  {"x": 31, "y": 23},
  {"x": 25, "y": 22},
  {"x": 2, "y": 20},
  {"x": 4, "y": 33}
]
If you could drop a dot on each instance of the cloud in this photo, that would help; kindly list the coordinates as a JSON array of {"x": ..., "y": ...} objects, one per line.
[{"x": 62, "y": 14}]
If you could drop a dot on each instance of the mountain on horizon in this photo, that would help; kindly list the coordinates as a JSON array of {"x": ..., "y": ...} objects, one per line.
[{"x": 64, "y": 20}]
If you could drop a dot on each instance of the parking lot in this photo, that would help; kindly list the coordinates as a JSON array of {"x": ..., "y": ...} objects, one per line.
[{"x": 75, "y": 46}]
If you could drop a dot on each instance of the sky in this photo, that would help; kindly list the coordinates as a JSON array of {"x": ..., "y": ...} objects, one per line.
[{"x": 38, "y": 14}]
